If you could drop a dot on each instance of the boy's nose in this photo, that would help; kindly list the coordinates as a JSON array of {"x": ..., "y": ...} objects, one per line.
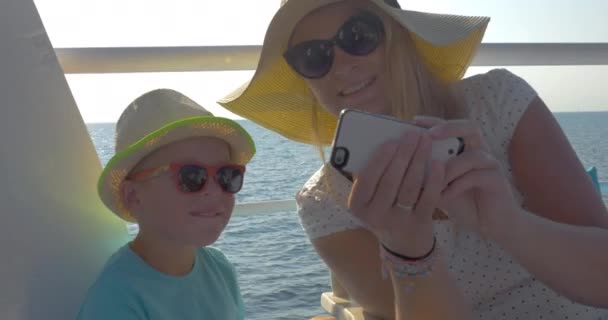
[{"x": 212, "y": 188}]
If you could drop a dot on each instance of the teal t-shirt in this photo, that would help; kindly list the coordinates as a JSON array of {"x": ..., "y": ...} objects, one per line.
[{"x": 129, "y": 289}]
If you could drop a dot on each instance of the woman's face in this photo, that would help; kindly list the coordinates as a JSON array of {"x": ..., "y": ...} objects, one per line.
[{"x": 357, "y": 81}]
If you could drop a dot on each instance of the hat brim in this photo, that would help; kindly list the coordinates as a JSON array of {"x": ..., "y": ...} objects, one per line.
[
  {"x": 109, "y": 185},
  {"x": 278, "y": 99}
]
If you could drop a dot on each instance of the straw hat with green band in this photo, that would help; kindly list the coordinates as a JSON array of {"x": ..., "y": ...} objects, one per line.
[
  {"x": 156, "y": 119},
  {"x": 278, "y": 99}
]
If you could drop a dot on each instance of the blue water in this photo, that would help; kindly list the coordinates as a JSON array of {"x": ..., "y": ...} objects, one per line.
[{"x": 281, "y": 277}]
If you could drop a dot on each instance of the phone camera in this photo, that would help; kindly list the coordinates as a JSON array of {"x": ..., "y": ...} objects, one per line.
[{"x": 340, "y": 157}]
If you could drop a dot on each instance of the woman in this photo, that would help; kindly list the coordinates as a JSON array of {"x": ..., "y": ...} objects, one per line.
[{"x": 521, "y": 229}]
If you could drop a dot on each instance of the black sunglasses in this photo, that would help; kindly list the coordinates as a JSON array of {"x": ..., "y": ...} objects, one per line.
[{"x": 360, "y": 35}]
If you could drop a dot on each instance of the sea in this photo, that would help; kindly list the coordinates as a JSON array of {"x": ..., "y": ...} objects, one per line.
[{"x": 280, "y": 275}]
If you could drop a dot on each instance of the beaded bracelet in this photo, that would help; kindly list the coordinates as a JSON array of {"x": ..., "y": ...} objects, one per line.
[{"x": 404, "y": 267}]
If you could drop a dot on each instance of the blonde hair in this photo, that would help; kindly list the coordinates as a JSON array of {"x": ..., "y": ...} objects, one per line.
[{"x": 413, "y": 90}]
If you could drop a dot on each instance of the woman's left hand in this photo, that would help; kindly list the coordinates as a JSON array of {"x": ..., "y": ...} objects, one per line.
[{"x": 477, "y": 193}]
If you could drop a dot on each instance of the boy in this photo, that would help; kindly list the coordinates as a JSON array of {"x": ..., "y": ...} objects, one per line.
[{"x": 175, "y": 172}]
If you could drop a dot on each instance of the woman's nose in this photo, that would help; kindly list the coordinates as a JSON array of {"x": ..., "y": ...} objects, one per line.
[{"x": 344, "y": 64}]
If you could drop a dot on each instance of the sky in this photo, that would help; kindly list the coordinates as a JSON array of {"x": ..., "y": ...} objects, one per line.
[{"x": 120, "y": 23}]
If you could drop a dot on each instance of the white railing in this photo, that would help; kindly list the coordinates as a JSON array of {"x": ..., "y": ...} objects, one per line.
[
  {"x": 261, "y": 207},
  {"x": 224, "y": 58}
]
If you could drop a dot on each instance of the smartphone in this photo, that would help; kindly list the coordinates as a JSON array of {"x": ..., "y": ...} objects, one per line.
[{"x": 359, "y": 134}]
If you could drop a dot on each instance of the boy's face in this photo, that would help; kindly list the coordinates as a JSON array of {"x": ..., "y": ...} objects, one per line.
[{"x": 168, "y": 214}]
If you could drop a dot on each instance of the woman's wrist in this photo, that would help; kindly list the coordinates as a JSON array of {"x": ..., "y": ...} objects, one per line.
[
  {"x": 408, "y": 244},
  {"x": 404, "y": 270},
  {"x": 409, "y": 257}
]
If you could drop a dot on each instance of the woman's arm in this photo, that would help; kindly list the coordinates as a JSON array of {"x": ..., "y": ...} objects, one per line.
[
  {"x": 393, "y": 199},
  {"x": 564, "y": 243},
  {"x": 436, "y": 296},
  {"x": 337, "y": 288},
  {"x": 353, "y": 258},
  {"x": 572, "y": 259},
  {"x": 549, "y": 174}
]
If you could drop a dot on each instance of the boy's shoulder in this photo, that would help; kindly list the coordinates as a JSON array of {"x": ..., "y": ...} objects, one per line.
[
  {"x": 112, "y": 291},
  {"x": 223, "y": 272},
  {"x": 115, "y": 274},
  {"x": 219, "y": 267},
  {"x": 215, "y": 256}
]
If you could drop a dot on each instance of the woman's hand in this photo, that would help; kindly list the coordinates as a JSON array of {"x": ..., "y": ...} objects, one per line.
[
  {"x": 476, "y": 192},
  {"x": 392, "y": 199}
]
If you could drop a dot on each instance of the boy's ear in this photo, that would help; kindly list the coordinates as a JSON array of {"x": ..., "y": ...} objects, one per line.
[{"x": 128, "y": 195}]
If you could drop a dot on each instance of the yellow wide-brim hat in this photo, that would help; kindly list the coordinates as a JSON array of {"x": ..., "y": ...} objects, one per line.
[
  {"x": 158, "y": 118},
  {"x": 278, "y": 99}
]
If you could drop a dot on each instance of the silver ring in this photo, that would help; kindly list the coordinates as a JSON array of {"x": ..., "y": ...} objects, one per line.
[{"x": 404, "y": 207}]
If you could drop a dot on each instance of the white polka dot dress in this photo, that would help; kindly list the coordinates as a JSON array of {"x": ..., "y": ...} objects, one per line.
[{"x": 496, "y": 286}]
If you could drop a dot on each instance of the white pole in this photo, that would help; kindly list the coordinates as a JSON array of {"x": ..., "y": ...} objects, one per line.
[{"x": 55, "y": 234}]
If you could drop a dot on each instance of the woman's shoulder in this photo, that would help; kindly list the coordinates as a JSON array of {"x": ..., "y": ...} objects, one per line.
[
  {"x": 314, "y": 182},
  {"x": 495, "y": 85},
  {"x": 322, "y": 205},
  {"x": 498, "y": 96},
  {"x": 494, "y": 74},
  {"x": 325, "y": 184}
]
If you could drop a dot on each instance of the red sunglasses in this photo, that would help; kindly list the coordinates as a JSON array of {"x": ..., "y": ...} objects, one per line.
[{"x": 192, "y": 177}]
